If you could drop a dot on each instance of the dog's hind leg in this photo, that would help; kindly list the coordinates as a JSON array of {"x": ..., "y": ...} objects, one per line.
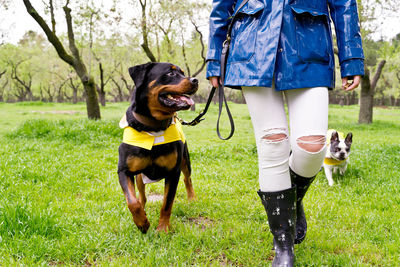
[
  {"x": 141, "y": 188},
  {"x": 171, "y": 184},
  {"x": 187, "y": 171},
  {"x": 134, "y": 205}
]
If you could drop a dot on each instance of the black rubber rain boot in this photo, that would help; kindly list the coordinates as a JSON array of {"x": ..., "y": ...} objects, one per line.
[
  {"x": 281, "y": 211},
  {"x": 302, "y": 184}
]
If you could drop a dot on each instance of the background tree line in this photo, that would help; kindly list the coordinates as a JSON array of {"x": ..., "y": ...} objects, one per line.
[
  {"x": 86, "y": 47},
  {"x": 99, "y": 47}
]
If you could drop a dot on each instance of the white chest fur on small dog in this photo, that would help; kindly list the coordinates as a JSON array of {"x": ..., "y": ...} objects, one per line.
[{"x": 337, "y": 154}]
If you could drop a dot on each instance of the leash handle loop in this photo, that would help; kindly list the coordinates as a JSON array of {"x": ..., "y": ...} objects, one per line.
[{"x": 221, "y": 100}]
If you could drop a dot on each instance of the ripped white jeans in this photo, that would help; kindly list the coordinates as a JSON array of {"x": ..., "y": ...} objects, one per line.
[{"x": 303, "y": 150}]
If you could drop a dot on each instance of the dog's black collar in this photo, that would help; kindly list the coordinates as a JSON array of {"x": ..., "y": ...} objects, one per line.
[{"x": 139, "y": 126}]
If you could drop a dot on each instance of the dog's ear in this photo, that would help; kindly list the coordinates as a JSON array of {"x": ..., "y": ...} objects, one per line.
[
  {"x": 349, "y": 139},
  {"x": 334, "y": 137},
  {"x": 138, "y": 73}
]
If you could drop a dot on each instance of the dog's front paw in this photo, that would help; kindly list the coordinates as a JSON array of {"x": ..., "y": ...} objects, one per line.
[
  {"x": 145, "y": 227},
  {"x": 192, "y": 197},
  {"x": 163, "y": 227},
  {"x": 140, "y": 219}
]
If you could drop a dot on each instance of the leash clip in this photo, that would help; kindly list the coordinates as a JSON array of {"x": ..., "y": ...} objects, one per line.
[{"x": 191, "y": 123}]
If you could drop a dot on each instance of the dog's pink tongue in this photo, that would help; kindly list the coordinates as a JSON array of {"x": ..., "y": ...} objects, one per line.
[{"x": 186, "y": 99}]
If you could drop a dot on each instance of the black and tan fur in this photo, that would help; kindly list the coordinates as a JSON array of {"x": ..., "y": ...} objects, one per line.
[{"x": 160, "y": 88}]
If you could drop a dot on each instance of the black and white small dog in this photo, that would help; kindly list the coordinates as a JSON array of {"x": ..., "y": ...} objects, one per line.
[{"x": 337, "y": 154}]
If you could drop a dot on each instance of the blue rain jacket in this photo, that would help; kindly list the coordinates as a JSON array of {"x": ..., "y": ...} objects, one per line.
[{"x": 285, "y": 41}]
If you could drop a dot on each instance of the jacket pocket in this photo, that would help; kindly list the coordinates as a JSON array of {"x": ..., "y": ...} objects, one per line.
[
  {"x": 244, "y": 32},
  {"x": 313, "y": 34}
]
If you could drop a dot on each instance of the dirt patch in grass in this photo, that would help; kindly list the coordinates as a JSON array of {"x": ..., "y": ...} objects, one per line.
[
  {"x": 155, "y": 197},
  {"x": 70, "y": 112},
  {"x": 202, "y": 222},
  {"x": 224, "y": 261}
]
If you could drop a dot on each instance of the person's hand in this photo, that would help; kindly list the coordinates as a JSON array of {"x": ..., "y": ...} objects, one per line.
[
  {"x": 215, "y": 81},
  {"x": 349, "y": 86}
]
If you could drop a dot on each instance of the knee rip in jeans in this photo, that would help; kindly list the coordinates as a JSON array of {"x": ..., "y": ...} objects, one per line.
[
  {"x": 275, "y": 135},
  {"x": 312, "y": 143}
]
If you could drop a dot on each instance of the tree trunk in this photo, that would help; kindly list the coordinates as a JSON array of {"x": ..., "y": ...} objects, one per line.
[
  {"x": 92, "y": 103},
  {"x": 74, "y": 91},
  {"x": 102, "y": 96},
  {"x": 366, "y": 99},
  {"x": 74, "y": 96},
  {"x": 367, "y": 93},
  {"x": 100, "y": 90}
]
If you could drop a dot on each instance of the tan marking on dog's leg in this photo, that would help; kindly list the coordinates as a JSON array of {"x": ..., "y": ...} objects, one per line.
[
  {"x": 188, "y": 181},
  {"x": 167, "y": 161},
  {"x": 169, "y": 196},
  {"x": 142, "y": 189},
  {"x": 134, "y": 205}
]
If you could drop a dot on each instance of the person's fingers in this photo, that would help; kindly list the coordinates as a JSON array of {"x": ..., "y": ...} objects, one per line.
[
  {"x": 214, "y": 81},
  {"x": 344, "y": 83},
  {"x": 355, "y": 83}
]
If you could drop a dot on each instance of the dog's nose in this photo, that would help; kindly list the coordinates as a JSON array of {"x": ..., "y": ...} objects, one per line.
[{"x": 194, "y": 80}]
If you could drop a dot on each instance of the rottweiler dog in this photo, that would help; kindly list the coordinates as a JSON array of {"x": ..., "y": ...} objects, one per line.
[{"x": 154, "y": 145}]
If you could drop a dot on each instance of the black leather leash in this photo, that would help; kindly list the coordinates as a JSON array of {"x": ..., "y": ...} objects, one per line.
[{"x": 221, "y": 94}]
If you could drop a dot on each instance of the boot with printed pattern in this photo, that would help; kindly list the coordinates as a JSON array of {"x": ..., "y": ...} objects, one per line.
[{"x": 281, "y": 211}]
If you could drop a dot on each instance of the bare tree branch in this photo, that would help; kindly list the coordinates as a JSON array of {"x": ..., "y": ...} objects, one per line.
[
  {"x": 71, "y": 36},
  {"x": 377, "y": 74},
  {"x": 53, "y": 39},
  {"x": 26, "y": 86},
  {"x": 2, "y": 73},
  {"x": 196, "y": 27},
  {"x": 53, "y": 20},
  {"x": 184, "y": 54},
  {"x": 145, "y": 44}
]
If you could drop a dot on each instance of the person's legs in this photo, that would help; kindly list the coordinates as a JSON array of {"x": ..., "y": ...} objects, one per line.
[
  {"x": 308, "y": 116},
  {"x": 267, "y": 112},
  {"x": 266, "y": 107}
]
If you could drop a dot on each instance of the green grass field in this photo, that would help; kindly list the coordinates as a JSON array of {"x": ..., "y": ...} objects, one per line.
[{"x": 61, "y": 203}]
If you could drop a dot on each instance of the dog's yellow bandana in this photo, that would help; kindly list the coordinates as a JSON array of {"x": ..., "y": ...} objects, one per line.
[
  {"x": 330, "y": 161},
  {"x": 147, "y": 140}
]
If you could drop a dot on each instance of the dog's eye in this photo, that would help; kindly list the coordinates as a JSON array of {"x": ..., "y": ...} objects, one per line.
[
  {"x": 337, "y": 149},
  {"x": 171, "y": 74},
  {"x": 347, "y": 149}
]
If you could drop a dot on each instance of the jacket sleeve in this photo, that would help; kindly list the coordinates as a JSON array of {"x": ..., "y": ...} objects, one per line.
[
  {"x": 219, "y": 20},
  {"x": 345, "y": 17}
]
